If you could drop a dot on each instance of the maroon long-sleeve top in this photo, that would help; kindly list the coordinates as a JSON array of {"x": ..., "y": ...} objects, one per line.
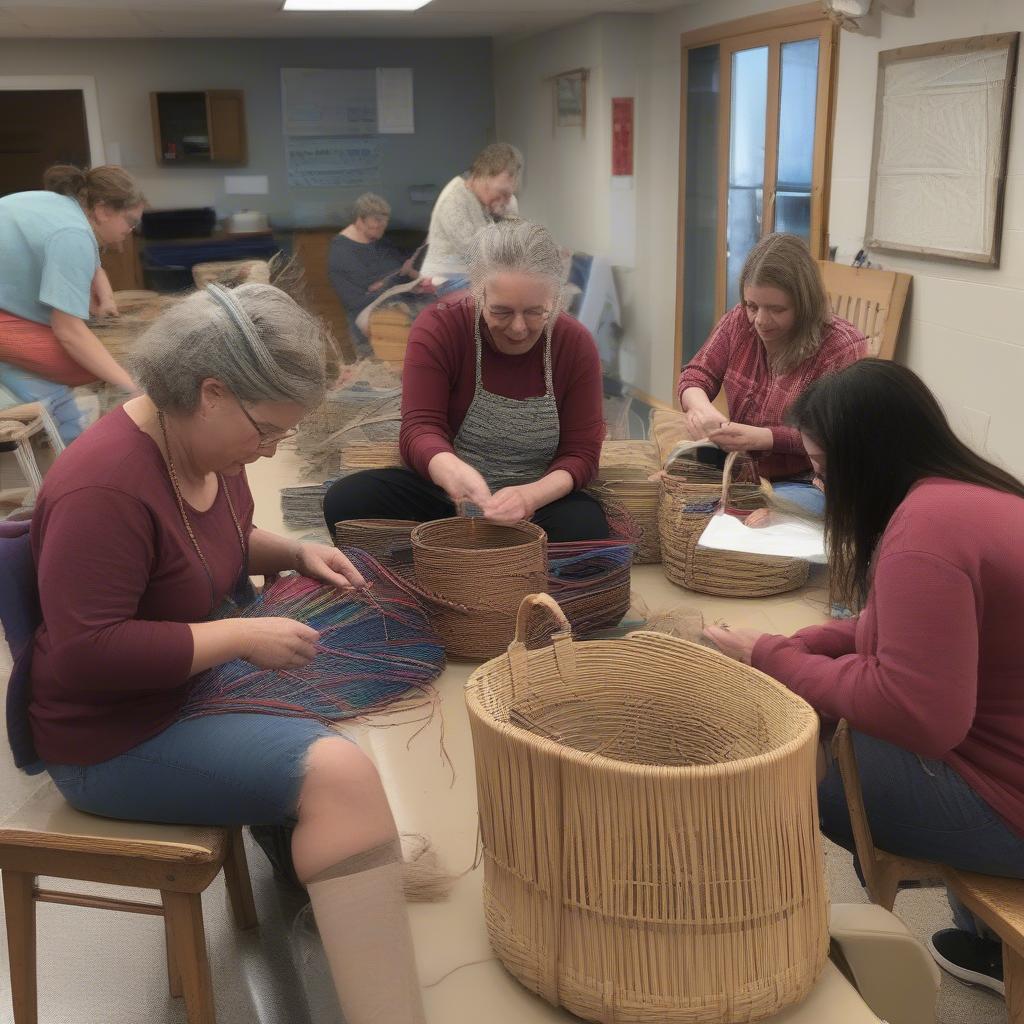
[
  {"x": 934, "y": 663},
  {"x": 439, "y": 378},
  {"x": 734, "y": 358},
  {"x": 119, "y": 581}
]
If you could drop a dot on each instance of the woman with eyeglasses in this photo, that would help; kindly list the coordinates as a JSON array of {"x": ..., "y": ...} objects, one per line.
[
  {"x": 501, "y": 403},
  {"x": 51, "y": 282},
  {"x": 142, "y": 532}
]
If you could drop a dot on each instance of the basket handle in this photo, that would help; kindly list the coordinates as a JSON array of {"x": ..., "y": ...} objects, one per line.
[
  {"x": 545, "y": 601},
  {"x": 730, "y": 463}
]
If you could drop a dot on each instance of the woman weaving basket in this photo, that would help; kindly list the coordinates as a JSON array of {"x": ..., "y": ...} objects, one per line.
[
  {"x": 780, "y": 338},
  {"x": 931, "y": 674},
  {"x": 142, "y": 529},
  {"x": 501, "y": 404}
]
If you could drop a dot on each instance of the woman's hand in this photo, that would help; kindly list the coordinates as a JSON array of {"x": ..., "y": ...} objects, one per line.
[
  {"x": 701, "y": 422},
  {"x": 106, "y": 307},
  {"x": 739, "y": 437},
  {"x": 408, "y": 270},
  {"x": 508, "y": 506},
  {"x": 460, "y": 481},
  {"x": 329, "y": 565},
  {"x": 736, "y": 643},
  {"x": 276, "y": 643}
]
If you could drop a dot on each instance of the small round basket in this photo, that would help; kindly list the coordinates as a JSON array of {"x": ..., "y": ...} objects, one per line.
[
  {"x": 648, "y": 811},
  {"x": 475, "y": 574},
  {"x": 688, "y": 502}
]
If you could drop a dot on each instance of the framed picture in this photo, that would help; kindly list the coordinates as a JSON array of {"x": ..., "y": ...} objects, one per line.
[
  {"x": 938, "y": 166},
  {"x": 571, "y": 99}
]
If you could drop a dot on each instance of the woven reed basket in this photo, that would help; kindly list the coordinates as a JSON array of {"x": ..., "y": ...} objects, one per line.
[
  {"x": 648, "y": 811},
  {"x": 477, "y": 573},
  {"x": 724, "y": 573},
  {"x": 623, "y": 485}
]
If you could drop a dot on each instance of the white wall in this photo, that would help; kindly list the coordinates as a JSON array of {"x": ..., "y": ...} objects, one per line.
[
  {"x": 962, "y": 331},
  {"x": 454, "y": 110}
]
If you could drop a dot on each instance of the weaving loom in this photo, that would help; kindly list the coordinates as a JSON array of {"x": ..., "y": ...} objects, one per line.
[{"x": 376, "y": 648}]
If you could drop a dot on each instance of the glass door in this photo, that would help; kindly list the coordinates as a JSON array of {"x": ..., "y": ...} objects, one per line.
[{"x": 755, "y": 160}]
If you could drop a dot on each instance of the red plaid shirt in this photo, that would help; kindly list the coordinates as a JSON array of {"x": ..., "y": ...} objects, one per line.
[{"x": 734, "y": 357}]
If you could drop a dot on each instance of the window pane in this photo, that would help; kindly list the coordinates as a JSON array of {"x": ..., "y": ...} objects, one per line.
[
  {"x": 797, "y": 103},
  {"x": 746, "y": 161},
  {"x": 701, "y": 224}
]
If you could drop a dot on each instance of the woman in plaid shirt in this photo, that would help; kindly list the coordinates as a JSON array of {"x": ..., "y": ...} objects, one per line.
[{"x": 765, "y": 352}]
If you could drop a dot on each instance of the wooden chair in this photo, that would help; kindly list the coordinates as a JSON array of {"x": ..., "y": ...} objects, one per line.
[
  {"x": 19, "y": 425},
  {"x": 47, "y": 837},
  {"x": 872, "y": 300},
  {"x": 999, "y": 902}
]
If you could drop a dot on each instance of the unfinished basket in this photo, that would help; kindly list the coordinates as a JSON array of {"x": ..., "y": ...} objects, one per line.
[
  {"x": 686, "y": 509},
  {"x": 358, "y": 455},
  {"x": 389, "y": 334},
  {"x": 476, "y": 573},
  {"x": 667, "y": 428},
  {"x": 590, "y": 580},
  {"x": 624, "y": 486},
  {"x": 648, "y": 811},
  {"x": 388, "y": 540}
]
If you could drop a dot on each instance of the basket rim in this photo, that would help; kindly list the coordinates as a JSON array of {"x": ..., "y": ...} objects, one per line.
[
  {"x": 530, "y": 532},
  {"x": 808, "y": 730}
]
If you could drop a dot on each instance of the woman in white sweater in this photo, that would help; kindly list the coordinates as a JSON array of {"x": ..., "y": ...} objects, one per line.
[{"x": 466, "y": 204}]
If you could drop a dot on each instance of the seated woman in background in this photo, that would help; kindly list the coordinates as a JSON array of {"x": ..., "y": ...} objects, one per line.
[
  {"x": 779, "y": 339},
  {"x": 51, "y": 282},
  {"x": 466, "y": 204},
  {"x": 361, "y": 264},
  {"x": 926, "y": 536},
  {"x": 158, "y": 488},
  {"x": 501, "y": 403}
]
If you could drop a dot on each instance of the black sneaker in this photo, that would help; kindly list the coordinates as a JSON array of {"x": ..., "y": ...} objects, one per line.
[{"x": 969, "y": 958}]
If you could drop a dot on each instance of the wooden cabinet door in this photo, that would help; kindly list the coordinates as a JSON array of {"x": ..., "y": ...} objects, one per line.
[
  {"x": 123, "y": 266},
  {"x": 225, "y": 114},
  {"x": 312, "y": 249}
]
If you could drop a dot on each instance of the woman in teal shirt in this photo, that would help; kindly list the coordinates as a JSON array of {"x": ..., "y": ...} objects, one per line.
[{"x": 51, "y": 282}]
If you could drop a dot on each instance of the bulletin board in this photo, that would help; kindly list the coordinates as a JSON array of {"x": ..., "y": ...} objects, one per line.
[{"x": 942, "y": 122}]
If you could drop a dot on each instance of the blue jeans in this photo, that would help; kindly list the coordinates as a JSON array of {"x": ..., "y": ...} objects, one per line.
[
  {"x": 921, "y": 808},
  {"x": 58, "y": 398},
  {"x": 802, "y": 493},
  {"x": 224, "y": 770}
]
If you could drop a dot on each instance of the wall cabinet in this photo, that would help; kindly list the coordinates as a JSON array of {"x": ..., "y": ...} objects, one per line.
[{"x": 199, "y": 128}]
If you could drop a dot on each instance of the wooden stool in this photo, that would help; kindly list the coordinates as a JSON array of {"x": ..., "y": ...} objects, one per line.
[
  {"x": 18, "y": 426},
  {"x": 48, "y": 837},
  {"x": 999, "y": 902}
]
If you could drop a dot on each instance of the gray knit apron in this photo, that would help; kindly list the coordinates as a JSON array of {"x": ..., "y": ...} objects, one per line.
[{"x": 509, "y": 441}]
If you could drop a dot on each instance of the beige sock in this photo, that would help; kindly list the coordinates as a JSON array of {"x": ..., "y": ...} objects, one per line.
[{"x": 360, "y": 913}]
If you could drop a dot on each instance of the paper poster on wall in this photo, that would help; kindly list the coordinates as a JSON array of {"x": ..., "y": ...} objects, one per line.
[
  {"x": 394, "y": 101},
  {"x": 333, "y": 162},
  {"x": 329, "y": 101}
]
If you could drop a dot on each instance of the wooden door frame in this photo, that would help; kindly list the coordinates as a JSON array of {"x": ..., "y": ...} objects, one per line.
[
  {"x": 768, "y": 26},
  {"x": 85, "y": 84}
]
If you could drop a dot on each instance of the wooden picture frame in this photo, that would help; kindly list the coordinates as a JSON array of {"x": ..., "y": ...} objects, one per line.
[
  {"x": 570, "y": 99},
  {"x": 938, "y": 162}
]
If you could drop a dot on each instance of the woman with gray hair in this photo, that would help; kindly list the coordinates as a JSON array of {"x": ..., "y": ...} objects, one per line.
[
  {"x": 142, "y": 530},
  {"x": 501, "y": 402},
  {"x": 360, "y": 263}
]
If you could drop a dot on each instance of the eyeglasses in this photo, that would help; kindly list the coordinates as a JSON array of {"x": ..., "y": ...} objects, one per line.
[
  {"x": 268, "y": 438},
  {"x": 502, "y": 316}
]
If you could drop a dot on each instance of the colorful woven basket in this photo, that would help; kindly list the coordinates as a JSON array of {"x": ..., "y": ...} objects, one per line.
[
  {"x": 690, "y": 496},
  {"x": 648, "y": 812},
  {"x": 624, "y": 487}
]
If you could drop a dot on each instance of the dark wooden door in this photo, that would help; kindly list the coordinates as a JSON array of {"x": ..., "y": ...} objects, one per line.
[{"x": 39, "y": 128}]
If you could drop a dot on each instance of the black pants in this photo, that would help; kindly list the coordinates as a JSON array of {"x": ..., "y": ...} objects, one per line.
[{"x": 403, "y": 494}]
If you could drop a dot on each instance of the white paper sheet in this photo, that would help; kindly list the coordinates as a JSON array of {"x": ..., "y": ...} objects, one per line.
[
  {"x": 787, "y": 536},
  {"x": 332, "y": 162},
  {"x": 329, "y": 101},
  {"x": 394, "y": 101}
]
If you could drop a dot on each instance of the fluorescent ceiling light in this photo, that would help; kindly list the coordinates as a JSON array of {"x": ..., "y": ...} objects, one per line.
[{"x": 354, "y": 5}]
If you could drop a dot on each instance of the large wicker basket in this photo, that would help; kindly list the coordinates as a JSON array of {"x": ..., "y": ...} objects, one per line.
[
  {"x": 648, "y": 812},
  {"x": 475, "y": 574},
  {"x": 687, "y": 504}
]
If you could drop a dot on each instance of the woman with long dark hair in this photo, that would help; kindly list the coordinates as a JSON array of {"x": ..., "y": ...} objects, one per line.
[{"x": 926, "y": 536}]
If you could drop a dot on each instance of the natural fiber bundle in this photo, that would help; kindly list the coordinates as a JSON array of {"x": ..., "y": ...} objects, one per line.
[
  {"x": 591, "y": 582},
  {"x": 137, "y": 311},
  {"x": 357, "y": 455},
  {"x": 303, "y": 507},
  {"x": 667, "y": 429},
  {"x": 625, "y": 487},
  {"x": 389, "y": 541},
  {"x": 648, "y": 813},
  {"x": 475, "y": 573},
  {"x": 376, "y": 647},
  {"x": 686, "y": 509},
  {"x": 347, "y": 415},
  {"x": 231, "y": 273}
]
